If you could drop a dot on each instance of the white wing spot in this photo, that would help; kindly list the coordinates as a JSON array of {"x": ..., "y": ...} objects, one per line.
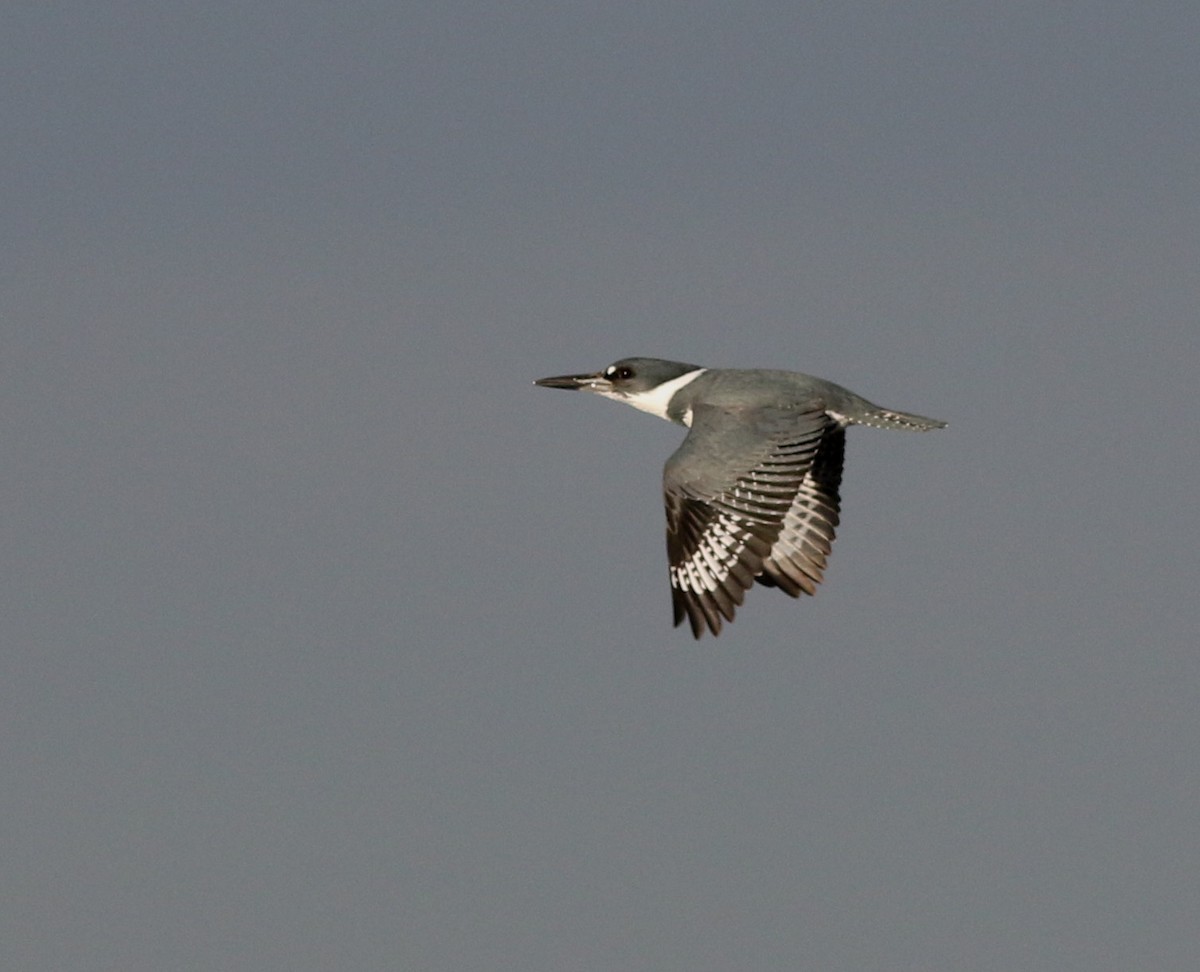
[{"x": 714, "y": 559}]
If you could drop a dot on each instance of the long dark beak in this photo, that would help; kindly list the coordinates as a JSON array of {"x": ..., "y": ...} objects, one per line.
[{"x": 575, "y": 382}]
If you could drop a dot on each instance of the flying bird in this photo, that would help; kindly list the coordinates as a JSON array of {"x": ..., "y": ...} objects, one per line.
[{"x": 752, "y": 492}]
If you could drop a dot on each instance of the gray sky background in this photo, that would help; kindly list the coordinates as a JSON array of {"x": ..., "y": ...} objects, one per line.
[{"x": 329, "y": 642}]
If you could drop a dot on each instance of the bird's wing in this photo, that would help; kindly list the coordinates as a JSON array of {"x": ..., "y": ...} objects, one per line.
[
  {"x": 797, "y": 561},
  {"x": 750, "y": 494}
]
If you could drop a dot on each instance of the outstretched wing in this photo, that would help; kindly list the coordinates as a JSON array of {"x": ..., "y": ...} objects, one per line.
[
  {"x": 798, "y": 558},
  {"x": 750, "y": 494}
]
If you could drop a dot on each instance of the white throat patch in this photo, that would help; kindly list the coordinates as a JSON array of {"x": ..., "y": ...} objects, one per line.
[{"x": 656, "y": 400}]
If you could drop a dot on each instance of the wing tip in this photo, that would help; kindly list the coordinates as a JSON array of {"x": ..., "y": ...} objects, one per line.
[{"x": 701, "y": 615}]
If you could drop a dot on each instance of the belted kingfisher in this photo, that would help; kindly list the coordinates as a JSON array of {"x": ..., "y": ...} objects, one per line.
[{"x": 752, "y": 493}]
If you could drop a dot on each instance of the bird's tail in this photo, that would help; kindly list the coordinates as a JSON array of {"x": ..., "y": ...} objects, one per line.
[{"x": 886, "y": 418}]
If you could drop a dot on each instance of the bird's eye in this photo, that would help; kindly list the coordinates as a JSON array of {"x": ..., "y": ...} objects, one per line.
[{"x": 623, "y": 373}]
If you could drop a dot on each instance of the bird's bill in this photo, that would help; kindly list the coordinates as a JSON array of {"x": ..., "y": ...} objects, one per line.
[{"x": 576, "y": 382}]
